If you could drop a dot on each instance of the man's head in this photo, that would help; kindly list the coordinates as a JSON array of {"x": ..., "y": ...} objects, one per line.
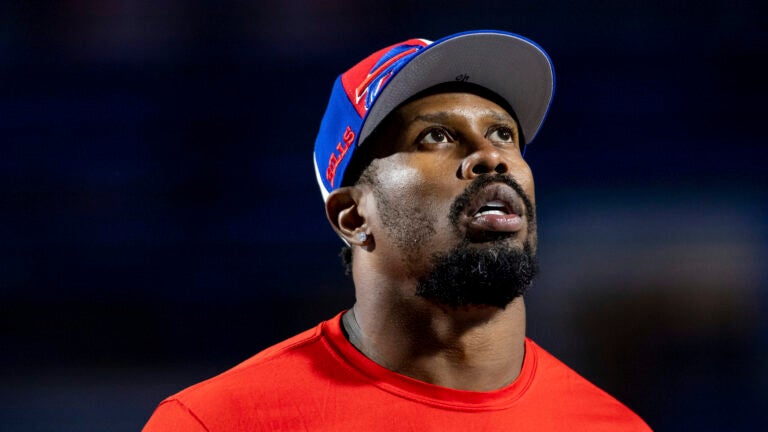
[{"x": 438, "y": 193}]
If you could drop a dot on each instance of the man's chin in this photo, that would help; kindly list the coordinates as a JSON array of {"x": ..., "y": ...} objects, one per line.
[{"x": 477, "y": 276}]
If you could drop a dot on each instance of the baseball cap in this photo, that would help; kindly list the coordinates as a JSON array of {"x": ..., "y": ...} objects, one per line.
[{"x": 513, "y": 67}]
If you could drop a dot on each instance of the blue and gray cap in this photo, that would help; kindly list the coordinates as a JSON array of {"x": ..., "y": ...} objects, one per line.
[{"x": 515, "y": 68}]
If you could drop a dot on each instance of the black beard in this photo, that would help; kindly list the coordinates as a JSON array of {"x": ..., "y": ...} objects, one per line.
[
  {"x": 493, "y": 275},
  {"x": 469, "y": 276}
]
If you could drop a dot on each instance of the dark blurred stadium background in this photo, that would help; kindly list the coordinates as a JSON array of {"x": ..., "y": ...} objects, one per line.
[{"x": 160, "y": 221}]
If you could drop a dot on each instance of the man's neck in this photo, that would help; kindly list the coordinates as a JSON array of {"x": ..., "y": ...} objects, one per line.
[{"x": 477, "y": 349}]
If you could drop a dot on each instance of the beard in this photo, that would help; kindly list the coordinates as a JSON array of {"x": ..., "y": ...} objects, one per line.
[
  {"x": 490, "y": 275},
  {"x": 469, "y": 276}
]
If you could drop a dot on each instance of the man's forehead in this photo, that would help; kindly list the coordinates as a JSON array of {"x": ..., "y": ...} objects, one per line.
[
  {"x": 453, "y": 109},
  {"x": 443, "y": 101}
]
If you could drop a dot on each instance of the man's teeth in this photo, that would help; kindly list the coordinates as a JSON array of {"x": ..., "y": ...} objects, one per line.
[
  {"x": 491, "y": 212},
  {"x": 492, "y": 208}
]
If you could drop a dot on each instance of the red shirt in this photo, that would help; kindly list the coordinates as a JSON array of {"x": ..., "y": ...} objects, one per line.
[{"x": 317, "y": 381}]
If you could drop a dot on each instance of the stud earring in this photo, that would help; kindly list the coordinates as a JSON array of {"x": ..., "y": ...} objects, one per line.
[{"x": 361, "y": 236}]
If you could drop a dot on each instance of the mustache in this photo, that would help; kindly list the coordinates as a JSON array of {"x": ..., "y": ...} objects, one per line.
[{"x": 465, "y": 198}]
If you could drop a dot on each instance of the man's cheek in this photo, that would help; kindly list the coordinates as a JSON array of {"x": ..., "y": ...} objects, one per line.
[{"x": 400, "y": 180}]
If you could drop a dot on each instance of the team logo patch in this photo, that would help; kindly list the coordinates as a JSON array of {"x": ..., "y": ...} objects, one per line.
[{"x": 381, "y": 72}]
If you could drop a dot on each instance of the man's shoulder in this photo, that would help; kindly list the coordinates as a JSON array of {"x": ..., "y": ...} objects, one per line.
[
  {"x": 263, "y": 373},
  {"x": 557, "y": 377},
  {"x": 255, "y": 391},
  {"x": 283, "y": 350},
  {"x": 557, "y": 383}
]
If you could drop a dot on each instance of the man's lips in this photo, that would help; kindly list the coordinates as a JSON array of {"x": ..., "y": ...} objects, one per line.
[
  {"x": 497, "y": 207},
  {"x": 500, "y": 223}
]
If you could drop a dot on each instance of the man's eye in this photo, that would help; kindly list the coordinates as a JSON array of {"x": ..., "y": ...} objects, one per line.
[
  {"x": 502, "y": 134},
  {"x": 435, "y": 136}
]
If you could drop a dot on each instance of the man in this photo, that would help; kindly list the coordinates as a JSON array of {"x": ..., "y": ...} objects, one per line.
[{"x": 420, "y": 162}]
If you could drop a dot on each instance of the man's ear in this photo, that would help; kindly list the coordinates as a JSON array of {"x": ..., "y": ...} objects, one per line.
[{"x": 343, "y": 211}]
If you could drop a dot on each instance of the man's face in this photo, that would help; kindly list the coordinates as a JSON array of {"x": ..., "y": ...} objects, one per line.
[{"x": 451, "y": 190}]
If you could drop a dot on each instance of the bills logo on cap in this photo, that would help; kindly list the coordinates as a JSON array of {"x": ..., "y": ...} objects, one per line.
[
  {"x": 365, "y": 81},
  {"x": 381, "y": 72}
]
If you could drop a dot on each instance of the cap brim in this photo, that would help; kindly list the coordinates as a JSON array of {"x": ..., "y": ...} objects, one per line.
[{"x": 514, "y": 67}]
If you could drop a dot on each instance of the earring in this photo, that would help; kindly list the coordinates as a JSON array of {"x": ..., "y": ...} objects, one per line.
[{"x": 361, "y": 236}]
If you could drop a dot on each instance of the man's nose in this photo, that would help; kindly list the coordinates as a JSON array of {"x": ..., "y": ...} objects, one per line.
[{"x": 484, "y": 159}]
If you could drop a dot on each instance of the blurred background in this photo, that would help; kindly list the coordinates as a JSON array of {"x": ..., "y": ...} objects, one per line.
[{"x": 160, "y": 220}]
